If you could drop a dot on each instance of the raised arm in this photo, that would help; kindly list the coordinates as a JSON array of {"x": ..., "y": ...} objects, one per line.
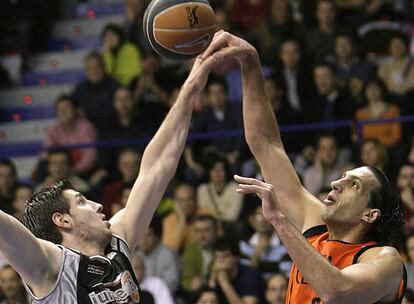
[
  {"x": 161, "y": 157},
  {"x": 37, "y": 261},
  {"x": 263, "y": 136},
  {"x": 378, "y": 270}
]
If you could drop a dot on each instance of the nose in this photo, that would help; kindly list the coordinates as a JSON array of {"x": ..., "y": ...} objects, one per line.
[
  {"x": 336, "y": 185},
  {"x": 98, "y": 207}
]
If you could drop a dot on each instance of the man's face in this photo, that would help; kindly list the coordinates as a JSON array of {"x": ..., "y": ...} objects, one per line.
[
  {"x": 205, "y": 233},
  {"x": 218, "y": 173},
  {"x": 65, "y": 112},
  {"x": 373, "y": 92},
  {"x": 148, "y": 241},
  {"x": 59, "y": 166},
  {"x": 370, "y": 154},
  {"x": 87, "y": 220},
  {"x": 343, "y": 47},
  {"x": 10, "y": 283},
  {"x": 128, "y": 165},
  {"x": 208, "y": 297},
  {"x": 327, "y": 151},
  {"x": 406, "y": 177},
  {"x": 290, "y": 54},
  {"x": 276, "y": 289},
  {"x": 259, "y": 223},
  {"x": 123, "y": 101},
  {"x": 348, "y": 201},
  {"x": 325, "y": 13},
  {"x": 225, "y": 261},
  {"x": 398, "y": 48},
  {"x": 324, "y": 80},
  {"x": 184, "y": 199},
  {"x": 217, "y": 95},
  {"x": 7, "y": 178},
  {"x": 94, "y": 69}
]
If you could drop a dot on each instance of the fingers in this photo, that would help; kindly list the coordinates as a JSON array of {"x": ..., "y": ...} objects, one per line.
[
  {"x": 219, "y": 41},
  {"x": 247, "y": 180},
  {"x": 244, "y": 189}
]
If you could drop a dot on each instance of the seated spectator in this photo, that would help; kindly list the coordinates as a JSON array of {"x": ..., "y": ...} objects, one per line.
[
  {"x": 398, "y": 72},
  {"x": 388, "y": 134},
  {"x": 320, "y": 41},
  {"x": 264, "y": 248},
  {"x": 352, "y": 72},
  {"x": 122, "y": 58},
  {"x": 94, "y": 94},
  {"x": 374, "y": 154},
  {"x": 325, "y": 168},
  {"x": 246, "y": 14},
  {"x": 276, "y": 289},
  {"x": 12, "y": 287},
  {"x": 59, "y": 167},
  {"x": 206, "y": 295},
  {"x": 405, "y": 183},
  {"x": 153, "y": 287},
  {"x": 177, "y": 226},
  {"x": 233, "y": 281},
  {"x": 220, "y": 115},
  {"x": 159, "y": 261},
  {"x": 8, "y": 182},
  {"x": 71, "y": 129},
  {"x": 219, "y": 194},
  {"x": 129, "y": 161},
  {"x": 332, "y": 104},
  {"x": 21, "y": 194},
  {"x": 198, "y": 256}
]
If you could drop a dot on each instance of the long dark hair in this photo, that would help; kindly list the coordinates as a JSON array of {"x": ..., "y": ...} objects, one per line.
[
  {"x": 37, "y": 214},
  {"x": 386, "y": 198}
]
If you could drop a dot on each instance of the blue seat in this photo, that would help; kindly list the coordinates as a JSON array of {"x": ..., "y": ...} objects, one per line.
[
  {"x": 74, "y": 43},
  {"x": 91, "y": 10},
  {"x": 26, "y": 113},
  {"x": 53, "y": 77}
]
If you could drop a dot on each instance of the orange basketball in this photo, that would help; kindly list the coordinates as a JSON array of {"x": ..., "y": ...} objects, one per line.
[{"x": 179, "y": 29}]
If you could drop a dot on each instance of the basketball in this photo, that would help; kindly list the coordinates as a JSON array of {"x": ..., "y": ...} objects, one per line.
[{"x": 179, "y": 29}]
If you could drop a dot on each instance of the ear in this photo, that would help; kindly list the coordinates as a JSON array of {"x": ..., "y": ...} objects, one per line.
[
  {"x": 370, "y": 216},
  {"x": 62, "y": 220}
]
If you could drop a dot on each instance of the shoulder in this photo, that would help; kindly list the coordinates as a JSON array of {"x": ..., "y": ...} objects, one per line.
[{"x": 385, "y": 255}]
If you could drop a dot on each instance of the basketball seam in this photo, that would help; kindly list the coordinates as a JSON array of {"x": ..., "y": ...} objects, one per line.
[{"x": 184, "y": 30}]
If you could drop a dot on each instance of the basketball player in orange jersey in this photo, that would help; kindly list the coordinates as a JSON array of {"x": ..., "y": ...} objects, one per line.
[
  {"x": 66, "y": 252},
  {"x": 340, "y": 248}
]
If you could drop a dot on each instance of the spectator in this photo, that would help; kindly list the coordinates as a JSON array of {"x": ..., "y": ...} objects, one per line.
[
  {"x": 320, "y": 41},
  {"x": 294, "y": 78},
  {"x": 352, "y": 72},
  {"x": 264, "y": 248},
  {"x": 405, "y": 183},
  {"x": 125, "y": 191},
  {"x": 206, "y": 295},
  {"x": 129, "y": 161},
  {"x": 153, "y": 287},
  {"x": 374, "y": 154},
  {"x": 177, "y": 226},
  {"x": 133, "y": 26},
  {"x": 71, "y": 129},
  {"x": 198, "y": 256},
  {"x": 388, "y": 134},
  {"x": 219, "y": 194},
  {"x": 409, "y": 244},
  {"x": 332, "y": 104},
  {"x": 398, "y": 71},
  {"x": 12, "y": 287},
  {"x": 21, "y": 194},
  {"x": 159, "y": 261},
  {"x": 8, "y": 182},
  {"x": 60, "y": 167},
  {"x": 326, "y": 168},
  {"x": 277, "y": 27},
  {"x": 96, "y": 92},
  {"x": 122, "y": 58},
  {"x": 246, "y": 14},
  {"x": 233, "y": 281},
  {"x": 220, "y": 115},
  {"x": 276, "y": 289}
]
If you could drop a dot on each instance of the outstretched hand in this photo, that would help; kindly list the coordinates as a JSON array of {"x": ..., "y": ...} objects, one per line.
[{"x": 264, "y": 191}]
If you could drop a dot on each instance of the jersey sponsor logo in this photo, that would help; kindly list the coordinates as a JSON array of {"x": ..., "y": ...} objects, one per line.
[
  {"x": 94, "y": 269},
  {"x": 122, "y": 291}
]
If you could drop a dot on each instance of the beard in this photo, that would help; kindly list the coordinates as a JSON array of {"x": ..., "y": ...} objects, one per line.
[{"x": 96, "y": 237}]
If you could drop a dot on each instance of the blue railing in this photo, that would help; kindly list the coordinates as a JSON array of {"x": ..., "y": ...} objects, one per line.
[{"x": 34, "y": 148}]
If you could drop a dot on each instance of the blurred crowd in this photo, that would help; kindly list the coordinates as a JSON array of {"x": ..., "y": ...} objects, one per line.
[{"x": 324, "y": 61}]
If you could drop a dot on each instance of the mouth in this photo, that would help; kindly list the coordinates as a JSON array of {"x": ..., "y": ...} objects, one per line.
[
  {"x": 330, "y": 199},
  {"x": 108, "y": 224}
]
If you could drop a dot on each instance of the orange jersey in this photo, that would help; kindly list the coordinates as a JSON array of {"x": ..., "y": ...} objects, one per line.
[{"x": 338, "y": 253}]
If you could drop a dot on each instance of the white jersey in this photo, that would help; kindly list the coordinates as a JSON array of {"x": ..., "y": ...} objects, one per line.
[{"x": 108, "y": 279}]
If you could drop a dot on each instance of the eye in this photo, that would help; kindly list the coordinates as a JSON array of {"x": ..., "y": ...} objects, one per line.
[{"x": 355, "y": 185}]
